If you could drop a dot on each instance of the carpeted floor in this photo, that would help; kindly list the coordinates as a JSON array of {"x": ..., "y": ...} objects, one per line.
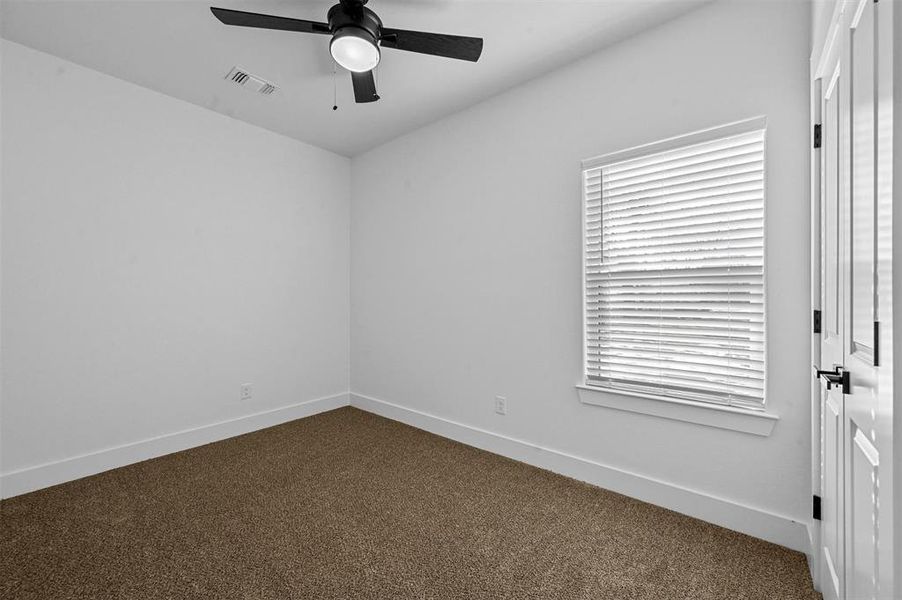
[{"x": 349, "y": 505}]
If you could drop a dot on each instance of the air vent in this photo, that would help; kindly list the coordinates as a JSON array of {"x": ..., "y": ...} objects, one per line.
[{"x": 250, "y": 81}]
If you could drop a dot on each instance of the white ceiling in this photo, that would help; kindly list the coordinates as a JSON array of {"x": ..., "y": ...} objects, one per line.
[{"x": 177, "y": 47}]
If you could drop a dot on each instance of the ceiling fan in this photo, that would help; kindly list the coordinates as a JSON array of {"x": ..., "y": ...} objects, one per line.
[{"x": 357, "y": 35}]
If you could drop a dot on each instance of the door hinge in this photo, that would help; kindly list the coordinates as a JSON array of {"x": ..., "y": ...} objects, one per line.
[
  {"x": 817, "y": 135},
  {"x": 876, "y": 343},
  {"x": 816, "y": 507},
  {"x": 816, "y": 322}
]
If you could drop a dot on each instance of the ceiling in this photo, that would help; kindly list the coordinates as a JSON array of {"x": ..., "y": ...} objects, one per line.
[{"x": 178, "y": 48}]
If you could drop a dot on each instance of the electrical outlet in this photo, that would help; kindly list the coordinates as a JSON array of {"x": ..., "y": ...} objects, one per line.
[
  {"x": 247, "y": 391},
  {"x": 501, "y": 405}
]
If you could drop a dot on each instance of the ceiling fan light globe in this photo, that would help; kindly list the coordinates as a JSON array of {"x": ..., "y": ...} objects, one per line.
[{"x": 355, "y": 50}]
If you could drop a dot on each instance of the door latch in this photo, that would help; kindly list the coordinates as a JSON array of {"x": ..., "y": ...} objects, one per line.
[{"x": 838, "y": 377}]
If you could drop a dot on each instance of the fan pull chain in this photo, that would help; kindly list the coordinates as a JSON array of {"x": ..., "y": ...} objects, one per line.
[
  {"x": 376, "y": 81},
  {"x": 334, "y": 89}
]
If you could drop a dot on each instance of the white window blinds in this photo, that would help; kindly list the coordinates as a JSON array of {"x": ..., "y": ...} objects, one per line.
[{"x": 674, "y": 269}]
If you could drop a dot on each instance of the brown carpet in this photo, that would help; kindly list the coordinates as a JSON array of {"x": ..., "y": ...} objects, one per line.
[{"x": 349, "y": 505}]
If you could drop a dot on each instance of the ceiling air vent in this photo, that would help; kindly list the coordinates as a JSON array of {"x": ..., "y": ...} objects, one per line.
[{"x": 250, "y": 81}]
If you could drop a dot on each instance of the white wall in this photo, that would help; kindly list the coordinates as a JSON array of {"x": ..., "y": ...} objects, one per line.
[
  {"x": 155, "y": 256},
  {"x": 465, "y": 253}
]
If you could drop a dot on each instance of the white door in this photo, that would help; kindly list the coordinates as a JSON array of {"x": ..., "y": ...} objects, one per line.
[
  {"x": 832, "y": 314},
  {"x": 856, "y": 260}
]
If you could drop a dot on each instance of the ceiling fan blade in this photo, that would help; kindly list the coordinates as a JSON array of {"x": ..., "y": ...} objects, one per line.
[
  {"x": 437, "y": 44},
  {"x": 364, "y": 87},
  {"x": 249, "y": 19}
]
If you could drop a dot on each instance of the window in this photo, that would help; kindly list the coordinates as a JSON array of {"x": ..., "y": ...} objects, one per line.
[{"x": 674, "y": 268}]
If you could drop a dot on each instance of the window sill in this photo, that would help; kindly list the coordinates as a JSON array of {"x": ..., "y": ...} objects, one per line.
[{"x": 712, "y": 415}]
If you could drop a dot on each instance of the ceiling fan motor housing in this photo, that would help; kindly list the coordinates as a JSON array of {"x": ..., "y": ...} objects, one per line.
[{"x": 349, "y": 14}]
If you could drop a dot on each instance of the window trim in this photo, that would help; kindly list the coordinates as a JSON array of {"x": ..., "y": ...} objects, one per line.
[
  {"x": 721, "y": 416},
  {"x": 648, "y": 402}
]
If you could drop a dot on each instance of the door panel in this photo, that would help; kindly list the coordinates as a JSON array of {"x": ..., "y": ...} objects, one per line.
[
  {"x": 832, "y": 496},
  {"x": 861, "y": 208},
  {"x": 862, "y": 526},
  {"x": 830, "y": 265}
]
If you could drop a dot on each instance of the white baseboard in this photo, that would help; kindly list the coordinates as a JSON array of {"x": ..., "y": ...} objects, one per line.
[
  {"x": 726, "y": 513},
  {"x": 738, "y": 517},
  {"x": 34, "y": 478}
]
